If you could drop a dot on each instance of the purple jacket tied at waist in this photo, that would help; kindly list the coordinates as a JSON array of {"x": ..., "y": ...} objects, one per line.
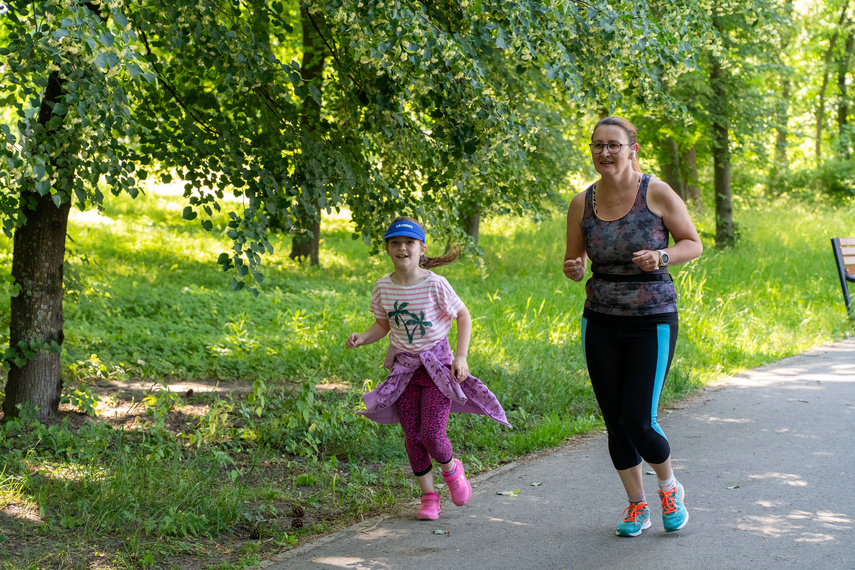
[{"x": 469, "y": 397}]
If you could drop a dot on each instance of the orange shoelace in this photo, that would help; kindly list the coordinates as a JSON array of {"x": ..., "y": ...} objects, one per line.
[
  {"x": 668, "y": 500},
  {"x": 634, "y": 511}
]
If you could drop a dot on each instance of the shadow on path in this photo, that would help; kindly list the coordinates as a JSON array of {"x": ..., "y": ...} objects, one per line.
[{"x": 766, "y": 458}]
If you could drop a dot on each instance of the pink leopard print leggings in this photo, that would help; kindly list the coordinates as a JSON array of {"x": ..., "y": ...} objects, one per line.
[{"x": 424, "y": 415}]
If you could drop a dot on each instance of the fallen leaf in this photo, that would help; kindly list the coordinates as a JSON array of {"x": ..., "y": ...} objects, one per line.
[
  {"x": 508, "y": 493},
  {"x": 438, "y": 531},
  {"x": 536, "y": 484},
  {"x": 734, "y": 487}
]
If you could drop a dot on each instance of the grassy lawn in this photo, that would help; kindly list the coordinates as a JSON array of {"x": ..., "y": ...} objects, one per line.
[{"x": 221, "y": 426}]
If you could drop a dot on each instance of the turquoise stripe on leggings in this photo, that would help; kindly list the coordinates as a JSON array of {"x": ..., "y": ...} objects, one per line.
[
  {"x": 663, "y": 336},
  {"x": 584, "y": 330}
]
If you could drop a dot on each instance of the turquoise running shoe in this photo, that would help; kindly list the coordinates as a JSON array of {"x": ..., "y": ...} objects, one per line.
[
  {"x": 674, "y": 513},
  {"x": 636, "y": 517}
]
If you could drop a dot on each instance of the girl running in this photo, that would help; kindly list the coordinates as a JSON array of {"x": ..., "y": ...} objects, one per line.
[{"x": 426, "y": 381}]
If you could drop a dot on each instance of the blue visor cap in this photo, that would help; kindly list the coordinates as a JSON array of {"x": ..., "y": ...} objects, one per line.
[{"x": 405, "y": 228}]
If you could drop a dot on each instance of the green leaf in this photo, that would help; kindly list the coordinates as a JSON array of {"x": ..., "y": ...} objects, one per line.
[
  {"x": 134, "y": 69},
  {"x": 120, "y": 19},
  {"x": 188, "y": 213},
  {"x": 101, "y": 60},
  {"x": 57, "y": 199},
  {"x": 107, "y": 39},
  {"x": 59, "y": 109},
  {"x": 60, "y": 33}
]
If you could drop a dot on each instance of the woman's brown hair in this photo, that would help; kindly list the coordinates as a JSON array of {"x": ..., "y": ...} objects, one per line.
[
  {"x": 631, "y": 133},
  {"x": 430, "y": 262}
]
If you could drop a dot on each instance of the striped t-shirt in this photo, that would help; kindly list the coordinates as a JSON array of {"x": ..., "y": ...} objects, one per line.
[{"x": 420, "y": 315}]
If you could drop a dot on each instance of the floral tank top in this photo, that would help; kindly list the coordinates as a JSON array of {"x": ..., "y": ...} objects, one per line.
[{"x": 619, "y": 287}]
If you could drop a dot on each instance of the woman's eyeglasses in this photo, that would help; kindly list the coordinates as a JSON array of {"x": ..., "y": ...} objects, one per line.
[{"x": 613, "y": 147}]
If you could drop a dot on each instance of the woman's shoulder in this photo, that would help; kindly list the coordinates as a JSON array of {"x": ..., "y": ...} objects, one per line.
[
  {"x": 660, "y": 196},
  {"x": 658, "y": 186}
]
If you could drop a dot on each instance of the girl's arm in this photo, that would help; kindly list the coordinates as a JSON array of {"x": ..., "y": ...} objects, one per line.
[
  {"x": 459, "y": 368},
  {"x": 378, "y": 330}
]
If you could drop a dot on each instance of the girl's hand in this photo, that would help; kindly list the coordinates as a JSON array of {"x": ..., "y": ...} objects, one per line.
[
  {"x": 574, "y": 269},
  {"x": 353, "y": 341},
  {"x": 459, "y": 369}
]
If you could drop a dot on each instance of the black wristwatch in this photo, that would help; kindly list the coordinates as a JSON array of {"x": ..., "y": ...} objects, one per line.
[{"x": 664, "y": 258}]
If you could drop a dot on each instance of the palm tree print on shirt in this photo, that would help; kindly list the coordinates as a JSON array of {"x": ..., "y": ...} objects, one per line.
[
  {"x": 399, "y": 313},
  {"x": 418, "y": 322}
]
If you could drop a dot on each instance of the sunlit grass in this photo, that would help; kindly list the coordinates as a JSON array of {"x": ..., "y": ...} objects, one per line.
[{"x": 149, "y": 303}]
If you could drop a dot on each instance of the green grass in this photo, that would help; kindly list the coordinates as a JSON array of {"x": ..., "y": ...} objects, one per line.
[{"x": 179, "y": 488}]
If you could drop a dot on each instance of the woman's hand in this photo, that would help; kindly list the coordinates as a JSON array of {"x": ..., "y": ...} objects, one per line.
[
  {"x": 574, "y": 269},
  {"x": 646, "y": 259},
  {"x": 459, "y": 369}
]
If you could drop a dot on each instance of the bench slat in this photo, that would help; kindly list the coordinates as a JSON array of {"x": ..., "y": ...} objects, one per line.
[
  {"x": 846, "y": 241},
  {"x": 847, "y": 250}
]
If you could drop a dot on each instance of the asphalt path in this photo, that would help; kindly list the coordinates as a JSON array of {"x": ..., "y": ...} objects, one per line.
[{"x": 766, "y": 458}]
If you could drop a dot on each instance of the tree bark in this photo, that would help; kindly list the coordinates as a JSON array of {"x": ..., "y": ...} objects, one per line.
[
  {"x": 470, "y": 220},
  {"x": 671, "y": 167},
  {"x": 689, "y": 169},
  {"x": 820, "y": 106},
  {"x": 843, "y": 106},
  {"x": 307, "y": 244},
  {"x": 780, "y": 162},
  {"x": 724, "y": 229},
  {"x": 36, "y": 311}
]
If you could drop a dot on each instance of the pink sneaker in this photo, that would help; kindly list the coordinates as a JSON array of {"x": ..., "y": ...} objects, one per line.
[
  {"x": 458, "y": 484},
  {"x": 430, "y": 507}
]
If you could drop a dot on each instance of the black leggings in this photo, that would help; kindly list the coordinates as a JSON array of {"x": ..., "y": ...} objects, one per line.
[{"x": 628, "y": 359}]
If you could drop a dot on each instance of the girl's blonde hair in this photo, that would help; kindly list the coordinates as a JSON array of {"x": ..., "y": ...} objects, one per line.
[
  {"x": 631, "y": 133},
  {"x": 429, "y": 262}
]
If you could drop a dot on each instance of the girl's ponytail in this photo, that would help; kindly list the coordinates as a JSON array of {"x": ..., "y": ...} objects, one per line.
[{"x": 444, "y": 259}]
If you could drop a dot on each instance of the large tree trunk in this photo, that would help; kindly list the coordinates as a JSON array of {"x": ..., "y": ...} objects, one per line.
[
  {"x": 671, "y": 167},
  {"x": 36, "y": 317},
  {"x": 307, "y": 243},
  {"x": 470, "y": 220},
  {"x": 724, "y": 229},
  {"x": 820, "y": 106},
  {"x": 689, "y": 169}
]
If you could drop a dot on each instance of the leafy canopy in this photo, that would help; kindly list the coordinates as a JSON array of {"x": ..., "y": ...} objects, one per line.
[{"x": 425, "y": 107}]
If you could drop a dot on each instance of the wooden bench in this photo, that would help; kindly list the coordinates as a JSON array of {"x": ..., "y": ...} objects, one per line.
[{"x": 844, "y": 255}]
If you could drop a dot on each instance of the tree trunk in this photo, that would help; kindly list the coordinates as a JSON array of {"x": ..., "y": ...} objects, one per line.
[
  {"x": 470, "y": 220},
  {"x": 36, "y": 316},
  {"x": 305, "y": 245},
  {"x": 843, "y": 106},
  {"x": 671, "y": 168},
  {"x": 724, "y": 229},
  {"x": 780, "y": 163},
  {"x": 820, "y": 106},
  {"x": 689, "y": 163}
]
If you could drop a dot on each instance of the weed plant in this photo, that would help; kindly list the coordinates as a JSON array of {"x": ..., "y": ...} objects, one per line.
[{"x": 145, "y": 301}]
